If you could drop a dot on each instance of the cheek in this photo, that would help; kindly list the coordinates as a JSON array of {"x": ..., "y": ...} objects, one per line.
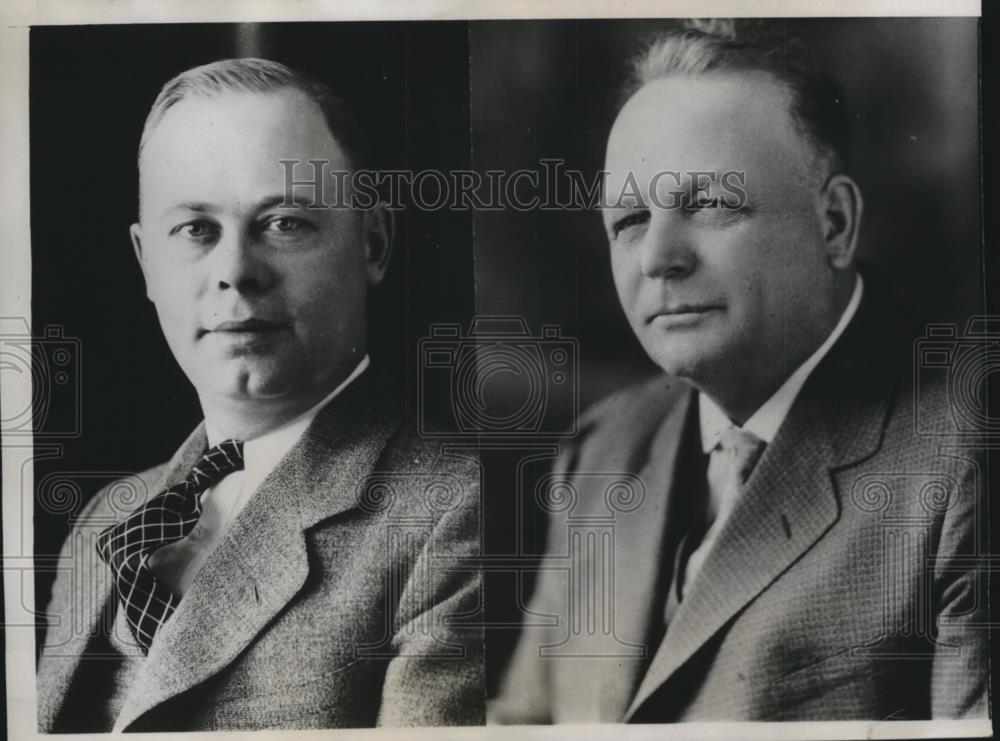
[
  {"x": 626, "y": 276},
  {"x": 327, "y": 291},
  {"x": 172, "y": 275},
  {"x": 792, "y": 241},
  {"x": 168, "y": 287},
  {"x": 746, "y": 256}
]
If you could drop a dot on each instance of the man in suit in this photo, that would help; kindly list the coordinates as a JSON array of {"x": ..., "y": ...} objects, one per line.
[
  {"x": 301, "y": 562},
  {"x": 761, "y": 532}
]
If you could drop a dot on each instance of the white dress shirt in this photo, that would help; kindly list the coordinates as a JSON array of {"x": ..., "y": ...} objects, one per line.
[{"x": 176, "y": 565}]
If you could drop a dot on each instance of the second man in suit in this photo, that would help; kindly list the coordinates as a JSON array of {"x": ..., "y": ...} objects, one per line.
[{"x": 792, "y": 546}]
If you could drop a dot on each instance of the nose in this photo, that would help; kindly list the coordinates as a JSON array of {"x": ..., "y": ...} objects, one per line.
[
  {"x": 667, "y": 250},
  {"x": 239, "y": 264}
]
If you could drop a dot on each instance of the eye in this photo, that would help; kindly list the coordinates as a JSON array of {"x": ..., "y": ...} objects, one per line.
[
  {"x": 285, "y": 224},
  {"x": 716, "y": 211},
  {"x": 198, "y": 231},
  {"x": 704, "y": 203},
  {"x": 633, "y": 219}
]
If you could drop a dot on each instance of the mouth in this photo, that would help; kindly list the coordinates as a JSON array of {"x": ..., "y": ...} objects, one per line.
[
  {"x": 244, "y": 327},
  {"x": 682, "y": 313}
]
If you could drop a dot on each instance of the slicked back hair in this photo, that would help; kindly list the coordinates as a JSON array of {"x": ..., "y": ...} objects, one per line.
[
  {"x": 815, "y": 101},
  {"x": 252, "y": 75}
]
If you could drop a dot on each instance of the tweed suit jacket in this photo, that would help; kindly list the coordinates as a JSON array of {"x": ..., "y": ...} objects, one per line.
[
  {"x": 341, "y": 595},
  {"x": 846, "y": 583}
]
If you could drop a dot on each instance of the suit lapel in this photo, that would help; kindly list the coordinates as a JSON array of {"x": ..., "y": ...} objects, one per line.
[
  {"x": 637, "y": 569},
  {"x": 94, "y": 591},
  {"x": 262, "y": 563},
  {"x": 788, "y": 505},
  {"x": 791, "y": 499}
]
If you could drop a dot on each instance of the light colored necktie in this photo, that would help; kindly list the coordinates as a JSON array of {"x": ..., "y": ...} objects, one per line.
[
  {"x": 730, "y": 464},
  {"x": 166, "y": 518}
]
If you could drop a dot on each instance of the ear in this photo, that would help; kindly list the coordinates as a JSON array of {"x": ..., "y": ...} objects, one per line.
[
  {"x": 840, "y": 207},
  {"x": 377, "y": 225},
  {"x": 135, "y": 232}
]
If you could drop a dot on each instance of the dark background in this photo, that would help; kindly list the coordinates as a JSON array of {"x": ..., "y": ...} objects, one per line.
[{"x": 90, "y": 90}]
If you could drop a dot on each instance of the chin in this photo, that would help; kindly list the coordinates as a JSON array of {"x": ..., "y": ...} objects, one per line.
[
  {"x": 245, "y": 383},
  {"x": 267, "y": 385},
  {"x": 688, "y": 360}
]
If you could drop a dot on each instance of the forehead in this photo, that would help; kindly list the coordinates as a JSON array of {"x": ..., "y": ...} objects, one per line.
[
  {"x": 718, "y": 121},
  {"x": 230, "y": 145}
]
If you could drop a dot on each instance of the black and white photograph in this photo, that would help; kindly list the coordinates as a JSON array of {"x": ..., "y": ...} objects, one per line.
[
  {"x": 281, "y": 566},
  {"x": 770, "y": 474},
  {"x": 477, "y": 370}
]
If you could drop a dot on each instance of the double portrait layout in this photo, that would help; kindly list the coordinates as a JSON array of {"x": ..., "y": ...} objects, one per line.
[{"x": 437, "y": 373}]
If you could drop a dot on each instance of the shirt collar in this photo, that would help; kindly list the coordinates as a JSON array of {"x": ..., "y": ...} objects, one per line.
[
  {"x": 764, "y": 423},
  {"x": 262, "y": 453}
]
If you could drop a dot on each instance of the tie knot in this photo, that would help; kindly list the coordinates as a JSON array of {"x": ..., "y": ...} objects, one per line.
[
  {"x": 743, "y": 449},
  {"x": 216, "y": 464}
]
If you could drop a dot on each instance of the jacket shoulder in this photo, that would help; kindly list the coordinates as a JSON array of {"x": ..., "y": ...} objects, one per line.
[
  {"x": 406, "y": 450},
  {"x": 428, "y": 478},
  {"x": 121, "y": 497},
  {"x": 622, "y": 423}
]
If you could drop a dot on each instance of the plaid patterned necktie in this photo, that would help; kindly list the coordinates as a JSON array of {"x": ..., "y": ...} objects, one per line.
[{"x": 164, "y": 519}]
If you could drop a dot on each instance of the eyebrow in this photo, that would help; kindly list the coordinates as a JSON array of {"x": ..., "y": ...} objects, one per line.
[
  {"x": 278, "y": 199},
  {"x": 207, "y": 208},
  {"x": 197, "y": 206}
]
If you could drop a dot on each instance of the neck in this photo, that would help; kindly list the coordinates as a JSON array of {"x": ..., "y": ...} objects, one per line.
[
  {"x": 247, "y": 418},
  {"x": 742, "y": 387}
]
